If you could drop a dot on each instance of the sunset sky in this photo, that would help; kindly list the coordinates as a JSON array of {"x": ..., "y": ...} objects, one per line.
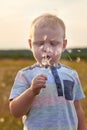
[{"x": 16, "y": 16}]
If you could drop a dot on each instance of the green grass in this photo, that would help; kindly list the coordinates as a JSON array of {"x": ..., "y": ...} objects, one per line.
[{"x": 8, "y": 71}]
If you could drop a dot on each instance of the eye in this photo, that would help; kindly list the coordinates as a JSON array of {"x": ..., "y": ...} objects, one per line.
[
  {"x": 54, "y": 43},
  {"x": 39, "y": 43}
]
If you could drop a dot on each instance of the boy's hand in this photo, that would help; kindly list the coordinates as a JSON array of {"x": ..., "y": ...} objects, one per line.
[{"x": 37, "y": 83}]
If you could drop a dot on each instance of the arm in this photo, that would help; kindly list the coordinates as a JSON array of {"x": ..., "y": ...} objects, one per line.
[
  {"x": 20, "y": 105},
  {"x": 80, "y": 115}
]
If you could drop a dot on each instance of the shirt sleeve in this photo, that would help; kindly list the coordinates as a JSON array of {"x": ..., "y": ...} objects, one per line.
[
  {"x": 79, "y": 94},
  {"x": 21, "y": 83}
]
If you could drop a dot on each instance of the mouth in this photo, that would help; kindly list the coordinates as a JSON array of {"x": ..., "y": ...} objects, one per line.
[
  {"x": 46, "y": 60},
  {"x": 47, "y": 57}
]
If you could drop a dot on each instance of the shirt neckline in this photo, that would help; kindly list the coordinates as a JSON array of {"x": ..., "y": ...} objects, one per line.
[{"x": 57, "y": 66}]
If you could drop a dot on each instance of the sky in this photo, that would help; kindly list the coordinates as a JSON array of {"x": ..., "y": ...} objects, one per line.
[{"x": 17, "y": 15}]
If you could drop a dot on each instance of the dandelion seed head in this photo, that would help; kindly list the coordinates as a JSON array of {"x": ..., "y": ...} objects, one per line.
[
  {"x": 2, "y": 120},
  {"x": 78, "y": 59},
  {"x": 78, "y": 50},
  {"x": 45, "y": 37},
  {"x": 70, "y": 50}
]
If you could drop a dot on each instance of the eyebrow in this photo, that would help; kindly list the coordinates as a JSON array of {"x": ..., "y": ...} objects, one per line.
[
  {"x": 45, "y": 40},
  {"x": 38, "y": 41}
]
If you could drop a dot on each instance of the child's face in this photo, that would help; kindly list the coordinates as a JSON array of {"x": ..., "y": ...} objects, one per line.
[{"x": 47, "y": 45}]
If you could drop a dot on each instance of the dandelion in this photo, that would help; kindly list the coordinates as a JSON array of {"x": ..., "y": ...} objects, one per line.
[
  {"x": 78, "y": 59},
  {"x": 78, "y": 50},
  {"x": 45, "y": 37},
  {"x": 4, "y": 98},
  {"x": 46, "y": 59},
  {"x": 3, "y": 84},
  {"x": 2, "y": 120},
  {"x": 70, "y": 50},
  {"x": 68, "y": 54}
]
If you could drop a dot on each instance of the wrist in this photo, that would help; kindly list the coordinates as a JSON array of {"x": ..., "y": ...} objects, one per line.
[{"x": 33, "y": 92}]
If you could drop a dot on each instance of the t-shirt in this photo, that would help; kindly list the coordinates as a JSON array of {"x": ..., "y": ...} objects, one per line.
[{"x": 53, "y": 108}]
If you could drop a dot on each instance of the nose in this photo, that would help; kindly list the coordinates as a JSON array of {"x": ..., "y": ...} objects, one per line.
[{"x": 46, "y": 47}]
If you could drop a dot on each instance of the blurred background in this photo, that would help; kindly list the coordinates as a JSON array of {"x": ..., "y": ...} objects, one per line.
[
  {"x": 15, "y": 19},
  {"x": 16, "y": 16}
]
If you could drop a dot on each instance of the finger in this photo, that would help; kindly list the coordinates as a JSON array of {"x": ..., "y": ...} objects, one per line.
[
  {"x": 41, "y": 80},
  {"x": 40, "y": 85},
  {"x": 43, "y": 76}
]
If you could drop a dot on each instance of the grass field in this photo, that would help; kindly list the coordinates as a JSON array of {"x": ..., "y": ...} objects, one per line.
[{"x": 8, "y": 70}]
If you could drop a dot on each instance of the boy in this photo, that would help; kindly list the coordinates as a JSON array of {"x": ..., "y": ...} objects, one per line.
[{"x": 47, "y": 94}]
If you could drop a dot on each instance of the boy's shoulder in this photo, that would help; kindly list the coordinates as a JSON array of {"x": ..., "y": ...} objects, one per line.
[
  {"x": 32, "y": 67},
  {"x": 68, "y": 69}
]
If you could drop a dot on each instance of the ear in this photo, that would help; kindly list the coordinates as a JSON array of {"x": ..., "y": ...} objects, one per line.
[
  {"x": 64, "y": 44},
  {"x": 30, "y": 43}
]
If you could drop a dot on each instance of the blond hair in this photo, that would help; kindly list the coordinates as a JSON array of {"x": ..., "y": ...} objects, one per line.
[{"x": 47, "y": 20}]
